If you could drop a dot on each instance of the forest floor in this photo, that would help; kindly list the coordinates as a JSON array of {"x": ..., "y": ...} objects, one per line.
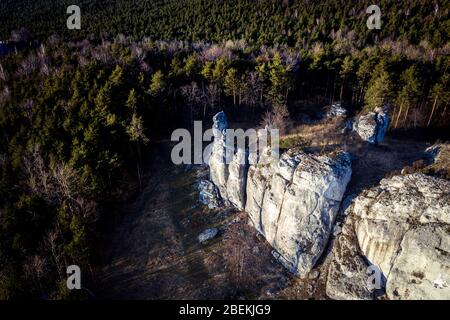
[{"x": 155, "y": 254}]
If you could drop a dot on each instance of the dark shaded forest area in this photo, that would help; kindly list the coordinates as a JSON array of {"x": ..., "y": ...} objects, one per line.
[{"x": 77, "y": 108}]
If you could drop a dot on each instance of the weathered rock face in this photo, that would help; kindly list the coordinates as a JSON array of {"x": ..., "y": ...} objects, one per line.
[
  {"x": 372, "y": 126},
  {"x": 237, "y": 179},
  {"x": 293, "y": 203},
  {"x": 217, "y": 160},
  {"x": 335, "y": 110},
  {"x": 257, "y": 184},
  {"x": 292, "y": 200},
  {"x": 309, "y": 206},
  {"x": 347, "y": 277},
  {"x": 230, "y": 177},
  {"x": 403, "y": 227}
]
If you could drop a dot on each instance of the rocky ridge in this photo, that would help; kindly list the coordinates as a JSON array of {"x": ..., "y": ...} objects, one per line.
[
  {"x": 292, "y": 201},
  {"x": 400, "y": 226}
]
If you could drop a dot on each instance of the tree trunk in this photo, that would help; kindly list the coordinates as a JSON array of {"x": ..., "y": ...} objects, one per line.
[
  {"x": 334, "y": 88},
  {"x": 444, "y": 112},
  {"x": 138, "y": 166},
  {"x": 363, "y": 85},
  {"x": 398, "y": 116},
  {"x": 432, "y": 111}
]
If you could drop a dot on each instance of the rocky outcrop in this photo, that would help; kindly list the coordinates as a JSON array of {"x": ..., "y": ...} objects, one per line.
[
  {"x": 293, "y": 203},
  {"x": 217, "y": 161},
  {"x": 300, "y": 207},
  {"x": 209, "y": 194},
  {"x": 237, "y": 179},
  {"x": 403, "y": 227},
  {"x": 292, "y": 200},
  {"x": 372, "y": 126},
  {"x": 347, "y": 277}
]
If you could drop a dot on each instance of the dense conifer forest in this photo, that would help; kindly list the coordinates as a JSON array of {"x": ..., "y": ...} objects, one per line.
[
  {"x": 260, "y": 22},
  {"x": 79, "y": 107}
]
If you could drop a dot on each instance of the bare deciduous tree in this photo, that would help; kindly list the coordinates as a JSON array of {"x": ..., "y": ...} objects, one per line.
[{"x": 275, "y": 120}]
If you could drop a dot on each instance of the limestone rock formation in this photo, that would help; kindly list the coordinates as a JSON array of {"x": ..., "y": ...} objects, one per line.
[
  {"x": 237, "y": 179},
  {"x": 403, "y": 227},
  {"x": 217, "y": 161},
  {"x": 313, "y": 190},
  {"x": 372, "y": 126},
  {"x": 406, "y": 233},
  {"x": 293, "y": 203},
  {"x": 292, "y": 200}
]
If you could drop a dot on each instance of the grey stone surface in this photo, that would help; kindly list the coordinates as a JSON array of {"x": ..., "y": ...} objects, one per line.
[
  {"x": 207, "y": 235},
  {"x": 347, "y": 278},
  {"x": 237, "y": 179},
  {"x": 292, "y": 201},
  {"x": 402, "y": 227},
  {"x": 310, "y": 204},
  {"x": 372, "y": 126},
  {"x": 209, "y": 195}
]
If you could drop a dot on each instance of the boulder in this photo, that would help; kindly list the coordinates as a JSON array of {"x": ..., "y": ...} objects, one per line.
[
  {"x": 217, "y": 164},
  {"x": 207, "y": 235},
  {"x": 209, "y": 195},
  {"x": 309, "y": 207},
  {"x": 372, "y": 126}
]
